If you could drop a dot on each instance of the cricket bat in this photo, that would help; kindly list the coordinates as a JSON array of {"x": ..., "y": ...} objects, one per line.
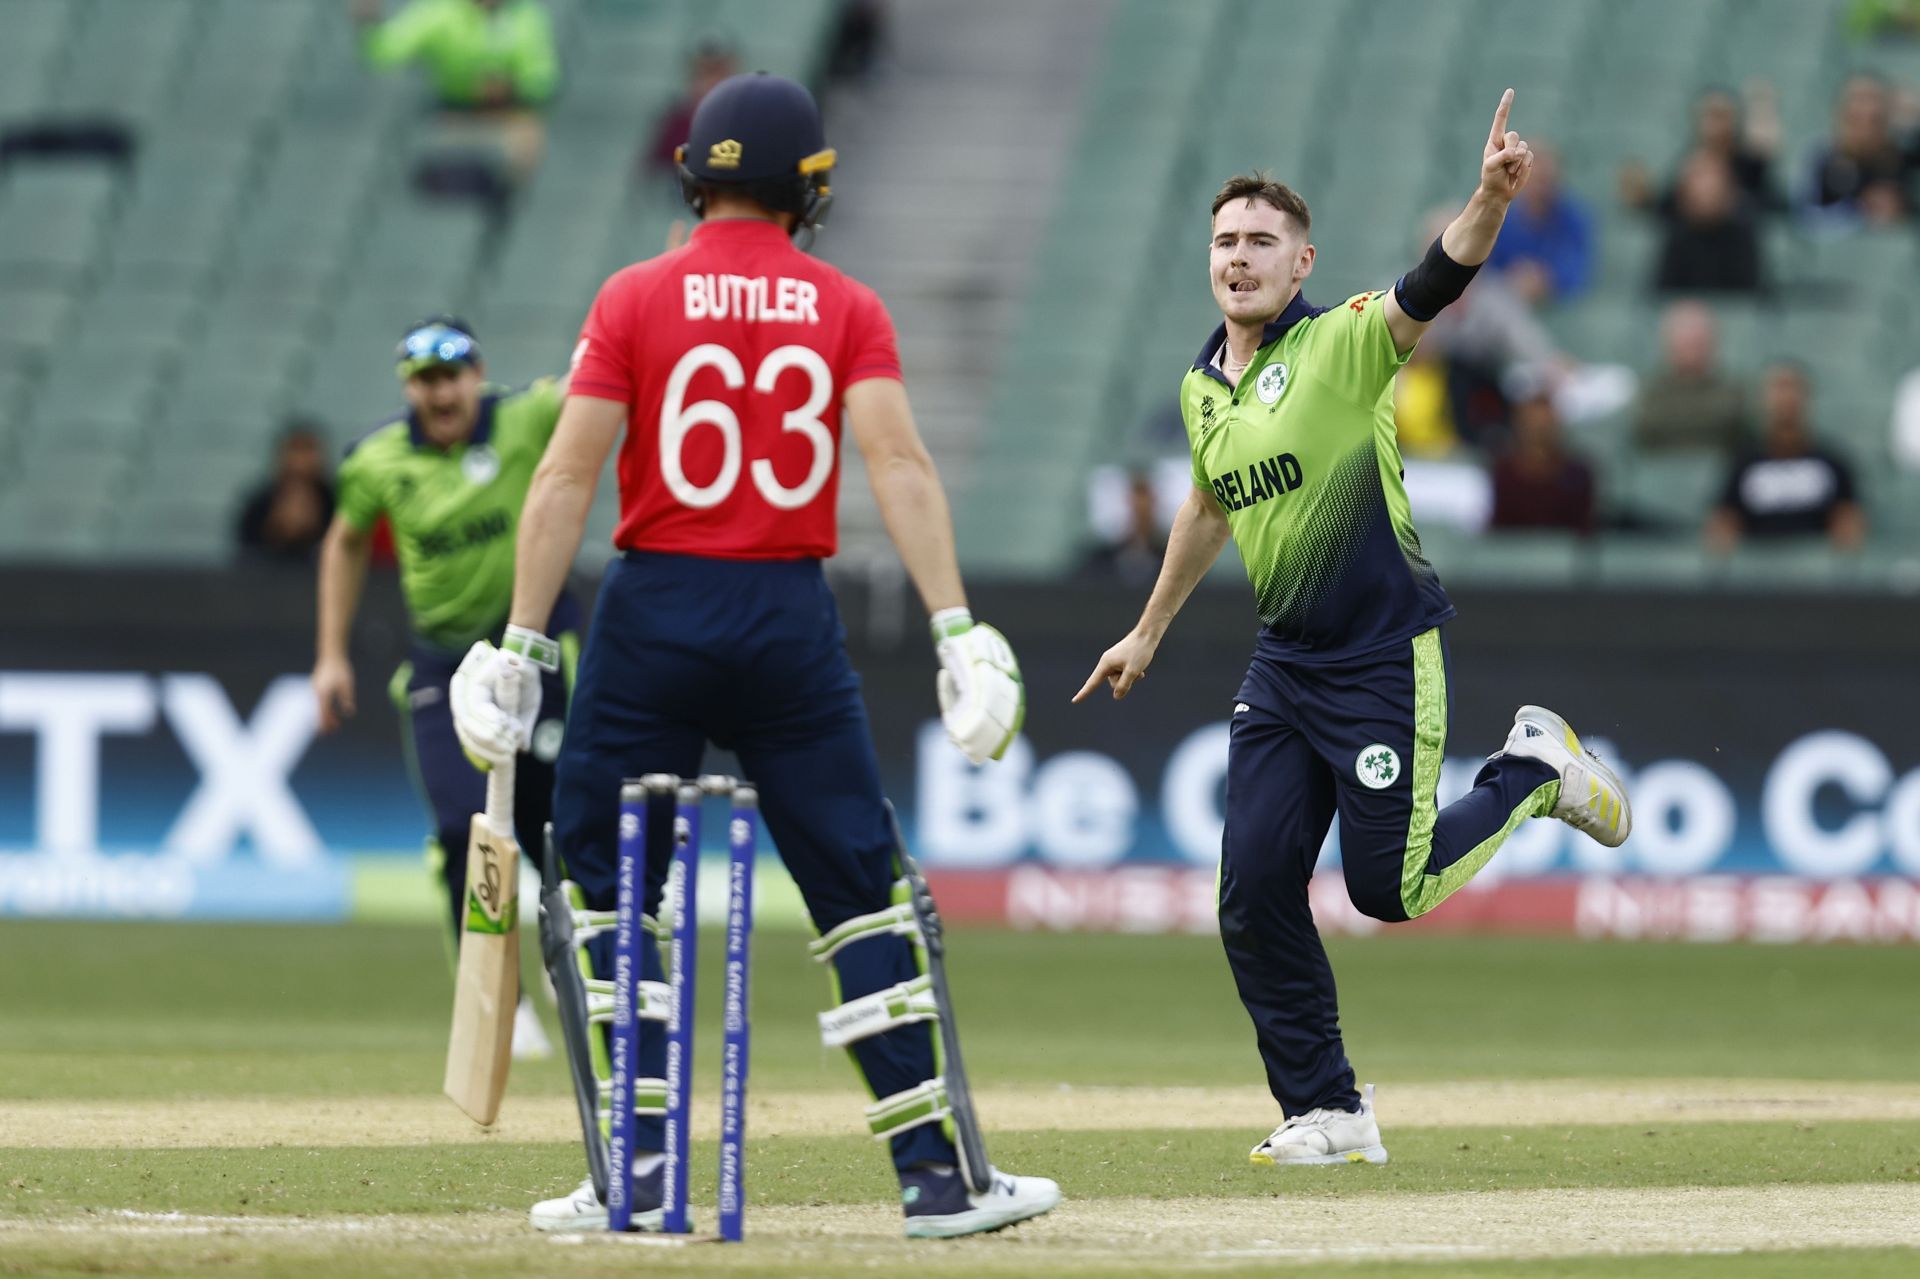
[{"x": 486, "y": 987}]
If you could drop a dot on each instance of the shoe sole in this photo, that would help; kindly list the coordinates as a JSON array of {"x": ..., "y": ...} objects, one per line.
[
  {"x": 1364, "y": 1155},
  {"x": 1595, "y": 764},
  {"x": 977, "y": 1221}
]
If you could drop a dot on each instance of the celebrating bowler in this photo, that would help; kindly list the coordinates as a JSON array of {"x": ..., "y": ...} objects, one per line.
[{"x": 1343, "y": 709}]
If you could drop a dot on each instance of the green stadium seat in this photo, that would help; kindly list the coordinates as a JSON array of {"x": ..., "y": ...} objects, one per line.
[
  {"x": 34, "y": 322},
  {"x": 53, "y": 219},
  {"x": 1677, "y": 561},
  {"x": 92, "y": 385},
  {"x": 125, "y": 58},
  {"x": 1675, "y": 490},
  {"x": 36, "y": 32}
]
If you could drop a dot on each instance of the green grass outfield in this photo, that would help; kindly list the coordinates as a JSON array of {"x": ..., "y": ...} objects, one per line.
[{"x": 122, "y": 1046}]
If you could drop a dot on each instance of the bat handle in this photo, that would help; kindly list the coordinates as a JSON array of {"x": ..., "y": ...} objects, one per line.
[{"x": 500, "y": 798}]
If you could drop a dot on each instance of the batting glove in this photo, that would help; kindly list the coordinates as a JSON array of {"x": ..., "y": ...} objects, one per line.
[
  {"x": 496, "y": 695},
  {"x": 982, "y": 700}
]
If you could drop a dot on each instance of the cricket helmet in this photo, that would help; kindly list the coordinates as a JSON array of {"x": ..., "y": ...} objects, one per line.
[{"x": 760, "y": 135}]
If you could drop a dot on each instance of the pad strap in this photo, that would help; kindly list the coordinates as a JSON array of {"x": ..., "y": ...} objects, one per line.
[
  {"x": 894, "y": 921},
  {"x": 924, "y": 1103},
  {"x": 649, "y": 1097},
  {"x": 875, "y": 1014},
  {"x": 654, "y": 1003},
  {"x": 588, "y": 924}
]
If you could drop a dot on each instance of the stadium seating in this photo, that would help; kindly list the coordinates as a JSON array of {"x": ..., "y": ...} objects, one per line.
[
  {"x": 260, "y": 253},
  {"x": 1344, "y": 102}
]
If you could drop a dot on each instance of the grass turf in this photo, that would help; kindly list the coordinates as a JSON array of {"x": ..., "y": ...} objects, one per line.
[
  {"x": 169, "y": 1010},
  {"x": 1143, "y": 1163}
]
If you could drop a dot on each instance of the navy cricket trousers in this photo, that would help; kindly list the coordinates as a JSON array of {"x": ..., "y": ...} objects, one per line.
[
  {"x": 1362, "y": 739},
  {"x": 749, "y": 655},
  {"x": 453, "y": 789}
]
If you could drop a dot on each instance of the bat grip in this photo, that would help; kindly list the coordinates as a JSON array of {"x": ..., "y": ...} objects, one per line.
[{"x": 500, "y": 798}]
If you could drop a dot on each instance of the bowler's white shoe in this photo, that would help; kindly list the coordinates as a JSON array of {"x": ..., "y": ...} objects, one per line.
[
  {"x": 582, "y": 1210},
  {"x": 530, "y": 1042},
  {"x": 1592, "y": 797},
  {"x": 940, "y": 1205},
  {"x": 1324, "y": 1136}
]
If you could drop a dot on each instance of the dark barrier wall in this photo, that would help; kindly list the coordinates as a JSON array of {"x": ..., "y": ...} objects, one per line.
[{"x": 1767, "y": 737}]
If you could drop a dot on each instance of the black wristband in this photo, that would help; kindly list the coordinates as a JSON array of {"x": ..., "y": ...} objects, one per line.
[{"x": 1427, "y": 289}]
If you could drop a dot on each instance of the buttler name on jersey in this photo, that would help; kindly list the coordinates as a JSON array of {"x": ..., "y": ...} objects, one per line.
[
  {"x": 752, "y": 298},
  {"x": 1267, "y": 478}
]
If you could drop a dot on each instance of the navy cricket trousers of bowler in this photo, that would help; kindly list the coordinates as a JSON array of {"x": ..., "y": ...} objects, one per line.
[
  {"x": 749, "y": 655},
  {"x": 1362, "y": 739}
]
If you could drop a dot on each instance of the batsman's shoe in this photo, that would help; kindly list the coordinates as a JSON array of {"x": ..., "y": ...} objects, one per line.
[
  {"x": 1592, "y": 797},
  {"x": 1322, "y": 1136},
  {"x": 940, "y": 1205},
  {"x": 582, "y": 1210},
  {"x": 530, "y": 1042}
]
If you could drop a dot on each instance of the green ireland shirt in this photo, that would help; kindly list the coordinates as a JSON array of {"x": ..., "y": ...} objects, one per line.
[
  {"x": 1302, "y": 456},
  {"x": 462, "y": 46},
  {"x": 454, "y": 511}
]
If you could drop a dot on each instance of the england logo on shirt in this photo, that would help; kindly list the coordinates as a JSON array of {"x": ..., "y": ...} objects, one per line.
[{"x": 1272, "y": 383}]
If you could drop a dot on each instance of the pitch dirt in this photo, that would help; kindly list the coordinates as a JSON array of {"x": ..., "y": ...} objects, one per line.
[
  {"x": 407, "y": 1121},
  {"x": 1202, "y": 1233}
]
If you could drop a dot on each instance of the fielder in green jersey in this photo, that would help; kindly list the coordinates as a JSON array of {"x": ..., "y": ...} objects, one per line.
[
  {"x": 1343, "y": 708},
  {"x": 450, "y": 476}
]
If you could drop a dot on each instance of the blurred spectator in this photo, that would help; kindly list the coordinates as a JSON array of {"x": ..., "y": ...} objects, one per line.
[
  {"x": 1689, "y": 402},
  {"x": 1862, "y": 174},
  {"x": 1884, "y": 19},
  {"x": 1457, "y": 386},
  {"x": 711, "y": 61},
  {"x": 1906, "y": 422},
  {"x": 1747, "y": 140},
  {"x": 1134, "y": 557},
  {"x": 285, "y": 518},
  {"x": 491, "y": 64},
  {"x": 1537, "y": 483},
  {"x": 1790, "y": 486},
  {"x": 1545, "y": 249},
  {"x": 1713, "y": 243},
  {"x": 859, "y": 34}
]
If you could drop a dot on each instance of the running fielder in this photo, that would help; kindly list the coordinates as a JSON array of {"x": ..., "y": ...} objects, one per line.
[
  {"x": 450, "y": 476},
  {"x": 1289, "y": 414},
  {"x": 728, "y": 364}
]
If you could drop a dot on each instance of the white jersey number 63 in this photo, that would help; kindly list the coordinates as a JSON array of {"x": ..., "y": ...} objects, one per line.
[{"x": 678, "y": 418}]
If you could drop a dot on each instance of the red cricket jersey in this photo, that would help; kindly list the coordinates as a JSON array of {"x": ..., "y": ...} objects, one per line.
[{"x": 732, "y": 355}]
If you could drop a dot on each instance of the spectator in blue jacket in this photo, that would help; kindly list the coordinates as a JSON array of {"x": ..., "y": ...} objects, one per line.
[{"x": 1546, "y": 248}]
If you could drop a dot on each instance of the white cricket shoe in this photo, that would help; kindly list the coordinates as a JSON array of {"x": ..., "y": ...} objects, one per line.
[
  {"x": 1322, "y": 1136},
  {"x": 940, "y": 1205},
  {"x": 530, "y": 1042},
  {"x": 1592, "y": 797},
  {"x": 582, "y": 1211}
]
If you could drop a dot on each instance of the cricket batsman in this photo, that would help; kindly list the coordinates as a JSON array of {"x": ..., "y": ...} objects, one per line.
[
  {"x": 451, "y": 476},
  {"x": 729, "y": 365},
  {"x": 1343, "y": 710}
]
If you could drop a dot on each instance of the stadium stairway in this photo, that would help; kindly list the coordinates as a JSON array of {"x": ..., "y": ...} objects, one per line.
[{"x": 945, "y": 184}]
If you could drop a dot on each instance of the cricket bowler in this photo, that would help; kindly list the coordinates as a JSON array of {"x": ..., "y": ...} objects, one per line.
[
  {"x": 729, "y": 364},
  {"x": 450, "y": 475},
  {"x": 1343, "y": 710}
]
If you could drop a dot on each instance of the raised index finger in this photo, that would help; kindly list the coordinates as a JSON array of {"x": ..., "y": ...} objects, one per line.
[{"x": 1497, "y": 137}]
